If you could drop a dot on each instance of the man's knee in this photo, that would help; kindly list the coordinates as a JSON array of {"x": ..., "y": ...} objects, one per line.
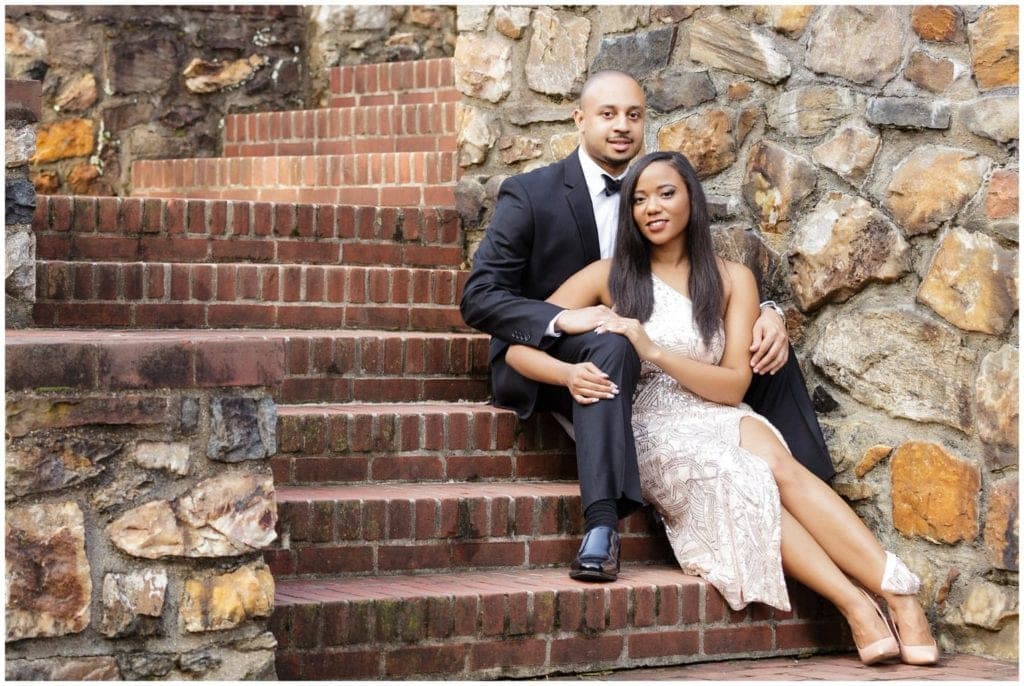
[{"x": 611, "y": 351}]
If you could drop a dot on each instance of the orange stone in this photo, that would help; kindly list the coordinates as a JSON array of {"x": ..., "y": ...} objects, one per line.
[
  {"x": 995, "y": 48},
  {"x": 45, "y": 182},
  {"x": 63, "y": 139},
  {"x": 1002, "y": 199},
  {"x": 936, "y": 23},
  {"x": 934, "y": 494},
  {"x": 872, "y": 457},
  {"x": 1001, "y": 528}
]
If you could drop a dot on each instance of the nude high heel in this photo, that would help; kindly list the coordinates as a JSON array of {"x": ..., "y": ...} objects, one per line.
[
  {"x": 882, "y": 649},
  {"x": 899, "y": 580},
  {"x": 917, "y": 655}
]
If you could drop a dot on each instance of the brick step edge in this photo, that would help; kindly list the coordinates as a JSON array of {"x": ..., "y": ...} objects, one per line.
[
  {"x": 180, "y": 230},
  {"x": 379, "y": 528},
  {"x": 438, "y": 196},
  {"x": 393, "y": 78},
  {"x": 369, "y": 361},
  {"x": 519, "y": 623},
  {"x": 342, "y": 130}
]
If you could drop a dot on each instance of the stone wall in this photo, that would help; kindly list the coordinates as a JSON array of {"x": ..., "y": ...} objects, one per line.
[
  {"x": 864, "y": 161},
  {"x": 138, "y": 499},
  {"x": 122, "y": 83},
  {"x": 22, "y": 113}
]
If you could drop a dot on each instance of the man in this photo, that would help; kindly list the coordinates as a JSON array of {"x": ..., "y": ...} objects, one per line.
[{"x": 547, "y": 225}]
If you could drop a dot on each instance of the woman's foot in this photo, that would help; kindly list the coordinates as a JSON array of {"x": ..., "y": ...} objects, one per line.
[
  {"x": 871, "y": 632},
  {"x": 917, "y": 645}
]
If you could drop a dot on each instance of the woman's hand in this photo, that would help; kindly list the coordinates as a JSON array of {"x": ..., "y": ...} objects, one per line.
[
  {"x": 581, "y": 320},
  {"x": 587, "y": 384},
  {"x": 634, "y": 331}
]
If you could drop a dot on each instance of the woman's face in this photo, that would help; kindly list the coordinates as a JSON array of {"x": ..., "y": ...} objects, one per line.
[{"x": 661, "y": 203}]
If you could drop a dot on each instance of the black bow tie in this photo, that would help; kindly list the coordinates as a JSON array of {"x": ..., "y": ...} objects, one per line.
[{"x": 611, "y": 186}]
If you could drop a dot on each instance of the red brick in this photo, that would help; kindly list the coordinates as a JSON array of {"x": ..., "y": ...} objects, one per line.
[
  {"x": 334, "y": 560},
  {"x": 586, "y": 651},
  {"x": 196, "y": 216},
  {"x": 347, "y": 623},
  {"x": 152, "y": 215},
  {"x": 74, "y": 412},
  {"x": 663, "y": 644},
  {"x": 489, "y": 554},
  {"x": 263, "y": 219},
  {"x": 668, "y": 605},
  {"x": 440, "y": 617},
  {"x": 508, "y": 655},
  {"x": 594, "y": 609},
  {"x": 239, "y": 363},
  {"x": 570, "y": 610},
  {"x": 492, "y": 615},
  {"x": 70, "y": 365},
  {"x": 170, "y": 315},
  {"x": 399, "y": 519},
  {"x": 130, "y": 220},
  {"x": 342, "y": 665},
  {"x": 423, "y": 661},
  {"x": 415, "y": 557},
  {"x": 803, "y": 634},
  {"x": 147, "y": 365},
  {"x": 408, "y": 468},
  {"x": 742, "y": 639},
  {"x": 93, "y": 314},
  {"x": 240, "y": 315},
  {"x": 467, "y": 614}
]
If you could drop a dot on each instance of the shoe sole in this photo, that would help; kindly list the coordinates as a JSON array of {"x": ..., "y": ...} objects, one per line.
[{"x": 590, "y": 575}]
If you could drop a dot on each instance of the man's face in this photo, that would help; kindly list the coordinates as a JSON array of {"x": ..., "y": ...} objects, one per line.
[{"x": 610, "y": 120}]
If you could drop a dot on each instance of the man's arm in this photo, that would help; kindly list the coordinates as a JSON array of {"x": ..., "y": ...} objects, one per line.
[
  {"x": 492, "y": 300},
  {"x": 770, "y": 346}
]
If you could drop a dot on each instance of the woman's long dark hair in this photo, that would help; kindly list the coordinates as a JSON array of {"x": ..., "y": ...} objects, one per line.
[{"x": 630, "y": 279}]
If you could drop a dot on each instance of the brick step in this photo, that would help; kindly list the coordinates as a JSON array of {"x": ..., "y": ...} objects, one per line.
[
  {"x": 189, "y": 295},
  {"x": 158, "y": 229},
  {"x": 297, "y": 366},
  {"x": 342, "y": 130},
  {"x": 422, "y": 441},
  {"x": 393, "y": 83},
  {"x": 528, "y": 623},
  {"x": 405, "y": 527},
  {"x": 380, "y": 179}
]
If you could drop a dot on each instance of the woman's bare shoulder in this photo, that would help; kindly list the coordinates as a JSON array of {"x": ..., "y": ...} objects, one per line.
[{"x": 735, "y": 274}]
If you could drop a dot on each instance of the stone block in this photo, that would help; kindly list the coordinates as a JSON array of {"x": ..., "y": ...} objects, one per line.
[
  {"x": 909, "y": 113},
  {"x": 676, "y": 88},
  {"x": 872, "y": 457},
  {"x": 202, "y": 76},
  {"x": 31, "y": 414},
  {"x": 477, "y": 133},
  {"x": 483, "y": 67},
  {"x": 19, "y": 145},
  {"x": 48, "y": 580},
  {"x": 637, "y": 54},
  {"x": 790, "y": 20},
  {"x": 723, "y": 42},
  {"x": 971, "y": 282},
  {"x": 472, "y": 17},
  {"x": 224, "y": 601},
  {"x": 171, "y": 457},
  {"x": 811, "y": 111},
  {"x": 938, "y": 23},
  {"x": 932, "y": 73},
  {"x": 934, "y": 493},
  {"x": 1002, "y": 527},
  {"x": 996, "y": 402},
  {"x": 78, "y": 95},
  {"x": 50, "y": 465},
  {"x": 840, "y": 247},
  {"x": 932, "y": 184},
  {"x": 143, "y": 66},
  {"x": 707, "y": 139},
  {"x": 63, "y": 140},
  {"x": 899, "y": 361},
  {"x": 850, "y": 153},
  {"x": 23, "y": 100},
  {"x": 863, "y": 44},
  {"x": 20, "y": 206},
  {"x": 989, "y": 606},
  {"x": 1002, "y": 197},
  {"x": 994, "y": 41},
  {"x": 511, "y": 21},
  {"x": 242, "y": 429},
  {"x": 518, "y": 148},
  {"x": 133, "y": 603},
  {"x": 775, "y": 184},
  {"x": 226, "y": 515},
  {"x": 994, "y": 116},
  {"x": 557, "y": 61},
  {"x": 93, "y": 668}
]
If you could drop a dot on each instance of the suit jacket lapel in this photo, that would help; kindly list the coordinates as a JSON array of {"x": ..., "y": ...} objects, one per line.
[{"x": 578, "y": 197}]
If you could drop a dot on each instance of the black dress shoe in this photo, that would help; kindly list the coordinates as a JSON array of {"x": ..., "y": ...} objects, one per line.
[{"x": 598, "y": 558}]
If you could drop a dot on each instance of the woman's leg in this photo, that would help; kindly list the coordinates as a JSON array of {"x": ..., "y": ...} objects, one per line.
[
  {"x": 834, "y": 525},
  {"x": 804, "y": 560}
]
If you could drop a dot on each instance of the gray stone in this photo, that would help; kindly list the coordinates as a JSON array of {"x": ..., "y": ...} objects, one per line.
[
  {"x": 19, "y": 145},
  {"x": 849, "y": 153},
  {"x": 637, "y": 54},
  {"x": 722, "y": 207},
  {"x": 989, "y": 606},
  {"x": 744, "y": 245},
  {"x": 472, "y": 17},
  {"x": 996, "y": 397},
  {"x": 557, "y": 61},
  {"x": 677, "y": 88},
  {"x": 511, "y": 21},
  {"x": 133, "y": 603},
  {"x": 477, "y": 133},
  {"x": 242, "y": 429},
  {"x": 776, "y": 183},
  {"x": 843, "y": 245},
  {"x": 137, "y": 666},
  {"x": 48, "y": 580},
  {"x": 863, "y": 44},
  {"x": 126, "y": 488},
  {"x": 198, "y": 662},
  {"x": 20, "y": 195},
  {"x": 20, "y": 267},
  {"x": 720, "y": 41},
  {"x": 995, "y": 117},
  {"x": 469, "y": 201},
  {"x": 50, "y": 466},
  {"x": 524, "y": 115},
  {"x": 811, "y": 111},
  {"x": 78, "y": 95},
  {"x": 900, "y": 362},
  {"x": 519, "y": 148},
  {"x": 143, "y": 66},
  {"x": 94, "y": 668},
  {"x": 189, "y": 414},
  {"x": 121, "y": 117},
  {"x": 370, "y": 17},
  {"x": 909, "y": 113},
  {"x": 172, "y": 457},
  {"x": 483, "y": 67}
]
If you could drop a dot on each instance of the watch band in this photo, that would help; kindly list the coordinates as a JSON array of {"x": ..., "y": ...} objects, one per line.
[{"x": 775, "y": 306}]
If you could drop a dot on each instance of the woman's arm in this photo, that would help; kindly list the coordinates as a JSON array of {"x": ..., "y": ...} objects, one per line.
[
  {"x": 726, "y": 382},
  {"x": 586, "y": 383}
]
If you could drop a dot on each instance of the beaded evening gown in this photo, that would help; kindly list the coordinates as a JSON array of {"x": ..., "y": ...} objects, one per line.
[{"x": 719, "y": 502}]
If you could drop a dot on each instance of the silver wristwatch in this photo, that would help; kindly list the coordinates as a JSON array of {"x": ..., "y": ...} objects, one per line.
[{"x": 775, "y": 306}]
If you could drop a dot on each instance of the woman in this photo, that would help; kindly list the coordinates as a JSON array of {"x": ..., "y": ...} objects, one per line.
[{"x": 738, "y": 508}]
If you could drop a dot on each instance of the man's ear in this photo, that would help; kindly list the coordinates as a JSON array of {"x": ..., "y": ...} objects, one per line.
[{"x": 577, "y": 116}]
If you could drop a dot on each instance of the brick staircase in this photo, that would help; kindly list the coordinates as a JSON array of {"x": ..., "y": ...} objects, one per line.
[{"x": 422, "y": 533}]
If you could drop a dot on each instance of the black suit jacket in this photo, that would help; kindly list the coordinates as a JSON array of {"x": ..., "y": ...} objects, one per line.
[{"x": 541, "y": 233}]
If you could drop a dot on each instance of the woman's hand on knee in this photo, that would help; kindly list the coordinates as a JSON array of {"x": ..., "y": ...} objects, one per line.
[{"x": 587, "y": 384}]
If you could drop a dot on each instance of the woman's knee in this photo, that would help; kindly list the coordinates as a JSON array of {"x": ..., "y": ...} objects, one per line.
[{"x": 758, "y": 439}]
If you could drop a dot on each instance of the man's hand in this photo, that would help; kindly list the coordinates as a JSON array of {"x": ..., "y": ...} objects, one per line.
[
  {"x": 587, "y": 384},
  {"x": 771, "y": 343},
  {"x": 581, "y": 320}
]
